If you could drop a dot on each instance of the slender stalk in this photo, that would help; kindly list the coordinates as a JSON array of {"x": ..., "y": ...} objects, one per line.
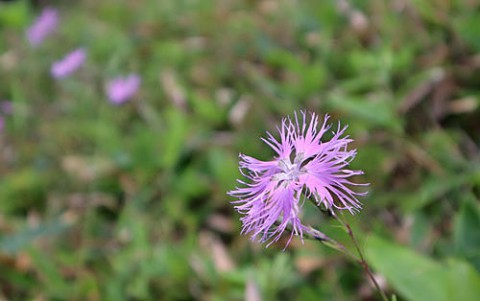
[{"x": 361, "y": 260}]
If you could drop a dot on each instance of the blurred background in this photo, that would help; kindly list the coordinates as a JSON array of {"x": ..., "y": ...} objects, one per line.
[{"x": 126, "y": 200}]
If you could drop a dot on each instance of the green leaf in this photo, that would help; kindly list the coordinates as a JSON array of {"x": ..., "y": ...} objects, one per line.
[
  {"x": 431, "y": 189},
  {"x": 417, "y": 277},
  {"x": 223, "y": 167},
  {"x": 207, "y": 109},
  {"x": 22, "y": 189},
  {"x": 464, "y": 281},
  {"x": 378, "y": 111},
  {"x": 14, "y": 243},
  {"x": 54, "y": 283},
  {"x": 466, "y": 27},
  {"x": 465, "y": 232},
  {"x": 14, "y": 15},
  {"x": 173, "y": 139},
  {"x": 428, "y": 10}
]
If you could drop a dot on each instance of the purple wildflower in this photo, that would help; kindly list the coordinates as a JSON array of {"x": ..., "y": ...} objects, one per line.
[
  {"x": 69, "y": 64},
  {"x": 121, "y": 89},
  {"x": 304, "y": 168},
  {"x": 43, "y": 26},
  {"x": 6, "y": 107}
]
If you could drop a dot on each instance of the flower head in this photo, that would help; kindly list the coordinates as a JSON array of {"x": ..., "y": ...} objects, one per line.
[
  {"x": 43, "y": 26},
  {"x": 68, "y": 64},
  {"x": 6, "y": 107},
  {"x": 305, "y": 167},
  {"x": 121, "y": 89}
]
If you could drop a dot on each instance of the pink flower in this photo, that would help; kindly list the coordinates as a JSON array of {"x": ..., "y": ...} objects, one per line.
[
  {"x": 305, "y": 168},
  {"x": 121, "y": 89},
  {"x": 43, "y": 26},
  {"x": 69, "y": 64},
  {"x": 6, "y": 107}
]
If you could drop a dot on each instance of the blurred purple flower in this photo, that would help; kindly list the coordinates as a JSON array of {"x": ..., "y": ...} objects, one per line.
[
  {"x": 121, "y": 89},
  {"x": 305, "y": 168},
  {"x": 6, "y": 107},
  {"x": 69, "y": 64},
  {"x": 43, "y": 26}
]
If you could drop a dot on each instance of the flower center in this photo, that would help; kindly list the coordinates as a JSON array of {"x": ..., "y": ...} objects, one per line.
[{"x": 290, "y": 171}]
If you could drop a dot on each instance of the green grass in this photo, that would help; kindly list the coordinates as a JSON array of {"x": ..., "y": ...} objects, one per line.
[{"x": 102, "y": 202}]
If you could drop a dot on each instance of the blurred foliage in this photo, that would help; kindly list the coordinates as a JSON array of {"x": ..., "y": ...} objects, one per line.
[
  {"x": 102, "y": 202},
  {"x": 419, "y": 278}
]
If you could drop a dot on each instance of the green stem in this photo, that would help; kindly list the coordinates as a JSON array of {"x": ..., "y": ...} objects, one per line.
[{"x": 361, "y": 260}]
